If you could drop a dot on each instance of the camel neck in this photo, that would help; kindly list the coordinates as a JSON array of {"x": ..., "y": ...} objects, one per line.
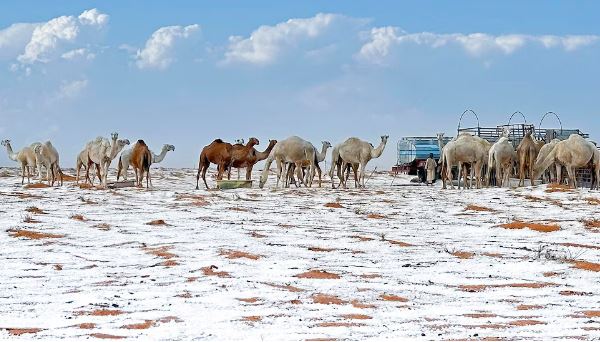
[
  {"x": 11, "y": 154},
  {"x": 160, "y": 157}
]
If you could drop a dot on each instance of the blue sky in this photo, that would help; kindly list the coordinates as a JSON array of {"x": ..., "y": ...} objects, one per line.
[{"x": 187, "y": 72}]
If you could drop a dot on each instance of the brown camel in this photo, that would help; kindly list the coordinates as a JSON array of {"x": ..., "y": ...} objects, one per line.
[
  {"x": 527, "y": 152},
  {"x": 141, "y": 158},
  {"x": 240, "y": 154},
  {"x": 218, "y": 152},
  {"x": 253, "y": 158}
]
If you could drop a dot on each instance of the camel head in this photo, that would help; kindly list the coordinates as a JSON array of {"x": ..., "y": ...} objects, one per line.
[
  {"x": 440, "y": 136},
  {"x": 168, "y": 147},
  {"x": 505, "y": 132},
  {"x": 272, "y": 143},
  {"x": 253, "y": 142},
  {"x": 326, "y": 144},
  {"x": 37, "y": 149},
  {"x": 384, "y": 138},
  {"x": 122, "y": 142},
  {"x": 5, "y": 142},
  {"x": 114, "y": 136}
]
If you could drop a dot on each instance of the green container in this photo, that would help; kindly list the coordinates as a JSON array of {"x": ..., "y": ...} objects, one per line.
[{"x": 227, "y": 184}]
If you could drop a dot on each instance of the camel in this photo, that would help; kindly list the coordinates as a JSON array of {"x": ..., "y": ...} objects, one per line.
[
  {"x": 319, "y": 157},
  {"x": 501, "y": 157},
  {"x": 241, "y": 154},
  {"x": 140, "y": 159},
  {"x": 101, "y": 152},
  {"x": 543, "y": 153},
  {"x": 47, "y": 155},
  {"x": 527, "y": 152},
  {"x": 336, "y": 164},
  {"x": 464, "y": 149},
  {"x": 573, "y": 153},
  {"x": 125, "y": 159},
  {"x": 218, "y": 152},
  {"x": 253, "y": 158},
  {"x": 356, "y": 151},
  {"x": 291, "y": 150},
  {"x": 26, "y": 157}
]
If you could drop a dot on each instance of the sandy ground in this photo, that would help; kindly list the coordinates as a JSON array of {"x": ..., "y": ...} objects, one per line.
[{"x": 298, "y": 264}]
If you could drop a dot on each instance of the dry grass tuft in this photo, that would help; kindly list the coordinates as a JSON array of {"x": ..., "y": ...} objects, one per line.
[
  {"x": 107, "y": 336},
  {"x": 356, "y": 316},
  {"x": 248, "y": 300},
  {"x": 252, "y": 318},
  {"x": 375, "y": 216},
  {"x": 333, "y": 205},
  {"x": 285, "y": 287},
  {"x": 147, "y": 324},
  {"x": 593, "y": 200},
  {"x": 36, "y": 186},
  {"x": 210, "y": 271},
  {"x": 586, "y": 265},
  {"x": 157, "y": 223},
  {"x": 473, "y": 207},
  {"x": 35, "y": 210},
  {"x": 463, "y": 255},
  {"x": 239, "y": 255},
  {"x": 321, "y": 298},
  {"x": 592, "y": 225},
  {"x": 393, "y": 298},
  {"x": 100, "y": 312},
  {"x": 102, "y": 226},
  {"x": 321, "y": 249},
  {"x": 78, "y": 217},
  {"x": 554, "y": 187},
  {"x": 22, "y": 331},
  {"x": 33, "y": 235},
  {"x": 317, "y": 274},
  {"x": 539, "y": 227}
]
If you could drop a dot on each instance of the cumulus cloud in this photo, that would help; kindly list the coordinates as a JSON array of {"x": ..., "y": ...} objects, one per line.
[
  {"x": 72, "y": 89},
  {"x": 81, "y": 53},
  {"x": 381, "y": 40},
  {"x": 42, "y": 42},
  {"x": 267, "y": 43},
  {"x": 158, "y": 53}
]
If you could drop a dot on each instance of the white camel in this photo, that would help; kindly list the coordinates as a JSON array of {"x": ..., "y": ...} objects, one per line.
[
  {"x": 319, "y": 157},
  {"x": 291, "y": 150},
  {"x": 125, "y": 159},
  {"x": 25, "y": 157},
  {"x": 467, "y": 149},
  {"x": 572, "y": 153},
  {"x": 336, "y": 166},
  {"x": 501, "y": 157},
  {"x": 101, "y": 152},
  {"x": 544, "y": 151},
  {"x": 356, "y": 151},
  {"x": 47, "y": 155}
]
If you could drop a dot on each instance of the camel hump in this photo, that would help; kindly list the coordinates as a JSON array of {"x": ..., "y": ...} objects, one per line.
[
  {"x": 141, "y": 142},
  {"x": 219, "y": 141}
]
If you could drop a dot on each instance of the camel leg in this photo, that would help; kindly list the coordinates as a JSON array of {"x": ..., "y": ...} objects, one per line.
[
  {"x": 558, "y": 173},
  {"x": 344, "y": 180},
  {"x": 249, "y": 172},
  {"x": 361, "y": 175},
  {"x": 299, "y": 173},
  {"x": 319, "y": 173},
  {"x": 204, "y": 169},
  {"x": 531, "y": 171},
  {"x": 23, "y": 167}
]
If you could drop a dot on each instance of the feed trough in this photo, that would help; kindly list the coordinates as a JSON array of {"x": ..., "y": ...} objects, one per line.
[{"x": 226, "y": 184}]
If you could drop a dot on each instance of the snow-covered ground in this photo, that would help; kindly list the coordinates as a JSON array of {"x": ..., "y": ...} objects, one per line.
[{"x": 297, "y": 264}]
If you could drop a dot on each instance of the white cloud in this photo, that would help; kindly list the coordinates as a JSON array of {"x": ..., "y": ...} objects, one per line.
[
  {"x": 158, "y": 51},
  {"x": 72, "y": 89},
  {"x": 14, "y": 38},
  {"x": 42, "y": 42},
  {"x": 381, "y": 41},
  {"x": 266, "y": 43},
  {"x": 81, "y": 53}
]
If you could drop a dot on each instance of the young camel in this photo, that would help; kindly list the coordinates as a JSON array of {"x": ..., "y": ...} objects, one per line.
[
  {"x": 241, "y": 154},
  {"x": 25, "y": 157},
  {"x": 141, "y": 158},
  {"x": 218, "y": 152},
  {"x": 125, "y": 159},
  {"x": 356, "y": 151},
  {"x": 320, "y": 156},
  {"x": 502, "y": 155},
  {"x": 253, "y": 158},
  {"x": 47, "y": 155}
]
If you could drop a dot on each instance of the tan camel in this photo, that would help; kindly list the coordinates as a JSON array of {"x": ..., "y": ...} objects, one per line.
[
  {"x": 527, "y": 152},
  {"x": 218, "y": 152},
  {"x": 291, "y": 150},
  {"x": 241, "y": 154},
  {"x": 141, "y": 158},
  {"x": 356, "y": 151},
  {"x": 572, "y": 153},
  {"x": 25, "y": 157},
  {"x": 125, "y": 159}
]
